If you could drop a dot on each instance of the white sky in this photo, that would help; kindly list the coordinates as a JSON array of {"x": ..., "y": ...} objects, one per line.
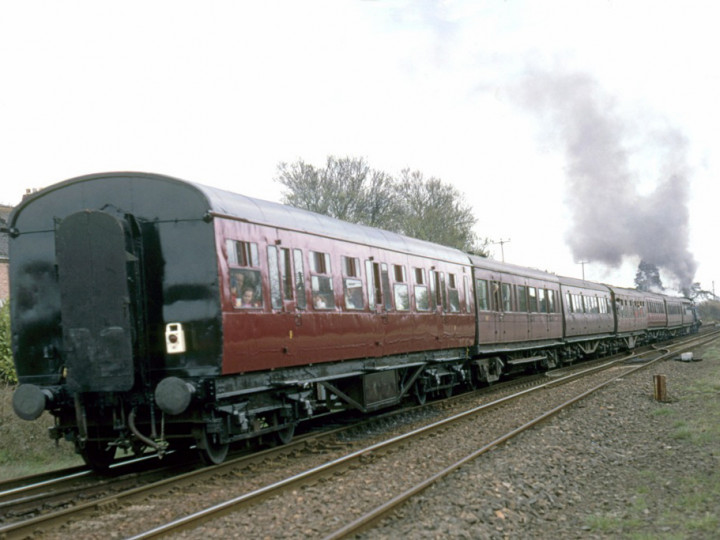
[{"x": 219, "y": 92}]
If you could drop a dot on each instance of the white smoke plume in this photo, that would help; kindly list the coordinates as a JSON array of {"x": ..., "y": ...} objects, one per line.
[{"x": 612, "y": 216}]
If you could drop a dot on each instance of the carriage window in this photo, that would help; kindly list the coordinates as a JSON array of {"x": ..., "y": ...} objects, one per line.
[
  {"x": 321, "y": 285},
  {"x": 468, "y": 299},
  {"x": 274, "y": 273},
  {"x": 286, "y": 274},
  {"x": 506, "y": 297},
  {"x": 246, "y": 288},
  {"x": 351, "y": 266},
  {"x": 373, "y": 281},
  {"x": 299, "y": 279},
  {"x": 352, "y": 285},
  {"x": 242, "y": 253},
  {"x": 245, "y": 282},
  {"x": 422, "y": 302},
  {"x": 353, "y": 293},
  {"x": 402, "y": 297},
  {"x": 437, "y": 289},
  {"x": 542, "y": 300},
  {"x": 481, "y": 292},
  {"x": 385, "y": 277},
  {"x": 522, "y": 298},
  {"x": 319, "y": 262},
  {"x": 532, "y": 299},
  {"x": 568, "y": 302},
  {"x": 280, "y": 274},
  {"x": 453, "y": 294},
  {"x": 431, "y": 289},
  {"x": 551, "y": 301},
  {"x": 577, "y": 303},
  {"x": 401, "y": 290},
  {"x": 378, "y": 285},
  {"x": 495, "y": 296},
  {"x": 443, "y": 290}
]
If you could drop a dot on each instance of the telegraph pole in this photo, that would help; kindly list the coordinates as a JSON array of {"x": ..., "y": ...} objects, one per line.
[
  {"x": 583, "y": 263},
  {"x": 502, "y": 247}
]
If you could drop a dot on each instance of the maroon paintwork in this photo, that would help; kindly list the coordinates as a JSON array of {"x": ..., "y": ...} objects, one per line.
[
  {"x": 266, "y": 338},
  {"x": 630, "y": 310},
  {"x": 675, "y": 311},
  {"x": 587, "y": 314},
  {"x": 506, "y": 319},
  {"x": 656, "y": 310}
]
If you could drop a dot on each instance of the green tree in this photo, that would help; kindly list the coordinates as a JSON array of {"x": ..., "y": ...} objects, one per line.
[{"x": 7, "y": 368}]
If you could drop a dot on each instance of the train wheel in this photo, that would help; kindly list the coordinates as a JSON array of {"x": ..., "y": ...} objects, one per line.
[
  {"x": 212, "y": 451},
  {"x": 285, "y": 435},
  {"x": 420, "y": 393},
  {"x": 97, "y": 455}
]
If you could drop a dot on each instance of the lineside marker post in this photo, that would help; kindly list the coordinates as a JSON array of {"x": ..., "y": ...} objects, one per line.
[{"x": 660, "y": 387}]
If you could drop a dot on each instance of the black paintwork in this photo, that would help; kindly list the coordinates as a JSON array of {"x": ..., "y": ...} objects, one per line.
[{"x": 164, "y": 222}]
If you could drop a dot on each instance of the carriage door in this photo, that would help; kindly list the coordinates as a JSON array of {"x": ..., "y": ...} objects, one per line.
[
  {"x": 487, "y": 319},
  {"x": 95, "y": 302},
  {"x": 287, "y": 293}
]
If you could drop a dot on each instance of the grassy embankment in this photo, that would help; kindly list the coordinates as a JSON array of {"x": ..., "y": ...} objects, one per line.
[
  {"x": 694, "y": 511},
  {"x": 25, "y": 447}
]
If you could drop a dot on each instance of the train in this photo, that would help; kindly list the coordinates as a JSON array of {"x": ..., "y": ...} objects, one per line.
[{"x": 153, "y": 313}]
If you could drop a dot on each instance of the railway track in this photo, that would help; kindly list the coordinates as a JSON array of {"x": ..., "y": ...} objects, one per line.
[
  {"x": 44, "y": 493},
  {"x": 274, "y": 484},
  {"x": 369, "y": 456}
]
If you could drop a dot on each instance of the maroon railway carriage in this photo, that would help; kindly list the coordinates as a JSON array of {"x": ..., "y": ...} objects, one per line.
[
  {"x": 656, "y": 316},
  {"x": 149, "y": 311},
  {"x": 681, "y": 316},
  {"x": 631, "y": 315},
  {"x": 519, "y": 316},
  {"x": 324, "y": 291},
  {"x": 588, "y": 317}
]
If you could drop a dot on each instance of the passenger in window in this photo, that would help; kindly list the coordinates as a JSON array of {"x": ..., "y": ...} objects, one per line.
[
  {"x": 319, "y": 302},
  {"x": 234, "y": 293},
  {"x": 237, "y": 286},
  {"x": 248, "y": 298}
]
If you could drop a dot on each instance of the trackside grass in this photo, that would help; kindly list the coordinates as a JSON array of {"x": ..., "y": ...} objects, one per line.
[
  {"x": 685, "y": 501},
  {"x": 25, "y": 447}
]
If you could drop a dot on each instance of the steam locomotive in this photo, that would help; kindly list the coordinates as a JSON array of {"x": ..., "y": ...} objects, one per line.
[{"x": 151, "y": 312}]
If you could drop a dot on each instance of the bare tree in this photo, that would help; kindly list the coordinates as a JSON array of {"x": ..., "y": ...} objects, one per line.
[
  {"x": 433, "y": 210},
  {"x": 348, "y": 189}
]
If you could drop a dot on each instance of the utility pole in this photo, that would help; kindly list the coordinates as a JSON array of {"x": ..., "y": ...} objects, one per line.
[
  {"x": 583, "y": 263},
  {"x": 502, "y": 247}
]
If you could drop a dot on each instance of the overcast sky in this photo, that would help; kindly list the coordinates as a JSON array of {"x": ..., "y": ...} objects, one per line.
[{"x": 572, "y": 127}]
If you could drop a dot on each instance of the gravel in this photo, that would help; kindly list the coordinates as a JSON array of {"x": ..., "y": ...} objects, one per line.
[{"x": 616, "y": 465}]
